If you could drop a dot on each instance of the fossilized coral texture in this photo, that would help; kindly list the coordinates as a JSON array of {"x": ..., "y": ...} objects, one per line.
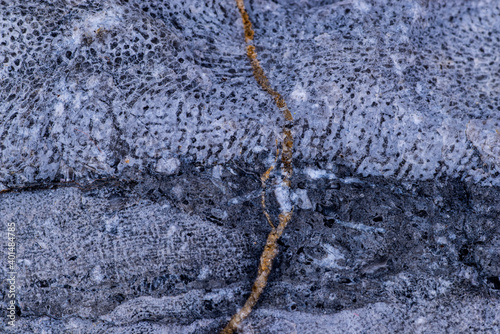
[
  {"x": 161, "y": 93},
  {"x": 387, "y": 88}
]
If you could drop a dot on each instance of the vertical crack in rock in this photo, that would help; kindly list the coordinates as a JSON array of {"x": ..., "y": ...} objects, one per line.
[{"x": 282, "y": 191}]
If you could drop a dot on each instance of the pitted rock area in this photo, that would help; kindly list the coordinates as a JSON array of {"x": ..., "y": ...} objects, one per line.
[
  {"x": 178, "y": 254},
  {"x": 133, "y": 136},
  {"x": 388, "y": 88}
]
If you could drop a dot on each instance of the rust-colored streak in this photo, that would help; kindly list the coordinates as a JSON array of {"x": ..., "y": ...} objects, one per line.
[
  {"x": 263, "y": 202},
  {"x": 263, "y": 179},
  {"x": 265, "y": 266},
  {"x": 263, "y": 81},
  {"x": 271, "y": 247},
  {"x": 247, "y": 25},
  {"x": 286, "y": 155},
  {"x": 265, "y": 176}
]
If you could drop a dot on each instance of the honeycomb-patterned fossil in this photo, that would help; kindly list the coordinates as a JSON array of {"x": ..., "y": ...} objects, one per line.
[{"x": 387, "y": 88}]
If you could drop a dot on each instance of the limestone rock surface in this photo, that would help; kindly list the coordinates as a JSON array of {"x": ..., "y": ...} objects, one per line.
[{"x": 133, "y": 136}]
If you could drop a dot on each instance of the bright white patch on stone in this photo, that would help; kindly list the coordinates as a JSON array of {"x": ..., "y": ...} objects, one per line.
[
  {"x": 168, "y": 166},
  {"x": 300, "y": 198},
  {"x": 360, "y": 227},
  {"x": 362, "y": 6},
  {"x": 217, "y": 172},
  {"x": 59, "y": 109},
  {"x": 204, "y": 273},
  {"x": 101, "y": 157},
  {"x": 111, "y": 223},
  {"x": 96, "y": 274},
  {"x": 282, "y": 193},
  {"x": 416, "y": 11},
  {"x": 417, "y": 119},
  {"x": 316, "y": 174},
  {"x": 271, "y": 7},
  {"x": 397, "y": 66},
  {"x": 299, "y": 94},
  {"x": 106, "y": 19},
  {"x": 172, "y": 230},
  {"x": 441, "y": 240},
  {"x": 350, "y": 180},
  {"x": 443, "y": 286},
  {"x": 258, "y": 149}
]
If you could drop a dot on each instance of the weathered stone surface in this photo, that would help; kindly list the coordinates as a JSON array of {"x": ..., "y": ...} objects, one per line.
[
  {"x": 387, "y": 88},
  {"x": 179, "y": 253},
  {"x": 133, "y": 136}
]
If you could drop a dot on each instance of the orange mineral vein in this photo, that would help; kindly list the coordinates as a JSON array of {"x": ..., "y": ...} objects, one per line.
[{"x": 271, "y": 247}]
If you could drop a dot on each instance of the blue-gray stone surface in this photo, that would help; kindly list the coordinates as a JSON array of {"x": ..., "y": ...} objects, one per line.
[
  {"x": 133, "y": 136},
  {"x": 398, "y": 89}
]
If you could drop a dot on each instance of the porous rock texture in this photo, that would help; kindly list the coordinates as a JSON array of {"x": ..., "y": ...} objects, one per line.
[
  {"x": 401, "y": 89},
  {"x": 133, "y": 136}
]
